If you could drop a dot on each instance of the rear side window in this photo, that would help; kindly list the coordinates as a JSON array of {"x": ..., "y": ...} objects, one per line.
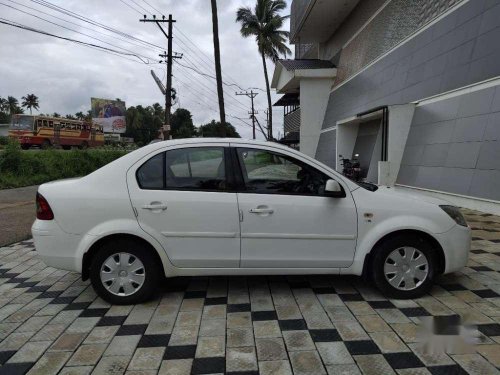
[
  {"x": 150, "y": 174},
  {"x": 196, "y": 168},
  {"x": 201, "y": 168}
]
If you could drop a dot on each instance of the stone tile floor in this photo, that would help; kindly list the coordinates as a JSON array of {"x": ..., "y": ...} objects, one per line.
[{"x": 52, "y": 322}]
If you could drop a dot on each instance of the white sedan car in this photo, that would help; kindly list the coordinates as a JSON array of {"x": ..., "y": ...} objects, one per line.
[{"x": 237, "y": 207}]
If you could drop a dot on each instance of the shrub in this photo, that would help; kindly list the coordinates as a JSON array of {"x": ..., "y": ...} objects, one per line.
[{"x": 23, "y": 168}]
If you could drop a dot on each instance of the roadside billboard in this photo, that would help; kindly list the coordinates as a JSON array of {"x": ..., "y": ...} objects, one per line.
[{"x": 108, "y": 113}]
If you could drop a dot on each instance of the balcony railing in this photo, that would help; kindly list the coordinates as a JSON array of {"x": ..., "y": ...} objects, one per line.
[{"x": 292, "y": 121}]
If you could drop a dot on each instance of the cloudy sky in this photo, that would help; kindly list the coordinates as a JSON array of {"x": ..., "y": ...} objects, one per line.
[{"x": 65, "y": 75}]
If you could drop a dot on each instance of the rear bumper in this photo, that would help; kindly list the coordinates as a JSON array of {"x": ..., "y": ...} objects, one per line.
[
  {"x": 55, "y": 247},
  {"x": 456, "y": 245}
]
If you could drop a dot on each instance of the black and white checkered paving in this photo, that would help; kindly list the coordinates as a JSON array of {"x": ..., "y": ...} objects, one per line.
[{"x": 52, "y": 323}]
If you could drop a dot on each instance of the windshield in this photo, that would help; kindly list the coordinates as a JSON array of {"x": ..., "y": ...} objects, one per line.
[{"x": 22, "y": 122}]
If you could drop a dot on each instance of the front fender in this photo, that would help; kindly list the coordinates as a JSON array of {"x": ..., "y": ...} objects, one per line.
[
  {"x": 120, "y": 226},
  {"x": 371, "y": 232}
]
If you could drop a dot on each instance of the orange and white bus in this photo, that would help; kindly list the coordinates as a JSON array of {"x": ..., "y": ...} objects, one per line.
[{"x": 52, "y": 131}]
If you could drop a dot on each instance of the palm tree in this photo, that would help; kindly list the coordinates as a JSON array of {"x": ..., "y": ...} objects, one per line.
[
  {"x": 13, "y": 105},
  {"x": 4, "y": 105},
  {"x": 80, "y": 116},
  {"x": 265, "y": 24},
  {"x": 218, "y": 70},
  {"x": 30, "y": 101}
]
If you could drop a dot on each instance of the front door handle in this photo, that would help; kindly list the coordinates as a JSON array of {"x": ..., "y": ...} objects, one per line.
[
  {"x": 261, "y": 210},
  {"x": 155, "y": 206}
]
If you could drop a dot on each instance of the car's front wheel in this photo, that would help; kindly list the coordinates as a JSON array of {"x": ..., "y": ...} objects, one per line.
[
  {"x": 404, "y": 266},
  {"x": 124, "y": 272}
]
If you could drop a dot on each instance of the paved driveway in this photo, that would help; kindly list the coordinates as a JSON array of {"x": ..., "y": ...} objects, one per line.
[{"x": 52, "y": 322}]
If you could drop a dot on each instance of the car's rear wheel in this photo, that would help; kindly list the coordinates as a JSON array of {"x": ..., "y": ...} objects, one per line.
[
  {"x": 404, "y": 266},
  {"x": 124, "y": 272}
]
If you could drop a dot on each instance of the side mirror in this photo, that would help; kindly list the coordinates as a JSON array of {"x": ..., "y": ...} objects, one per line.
[{"x": 333, "y": 189}]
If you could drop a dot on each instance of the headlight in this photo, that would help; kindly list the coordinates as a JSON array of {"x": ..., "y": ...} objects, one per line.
[{"x": 455, "y": 214}]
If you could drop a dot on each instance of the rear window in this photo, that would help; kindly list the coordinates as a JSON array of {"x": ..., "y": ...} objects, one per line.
[
  {"x": 201, "y": 168},
  {"x": 150, "y": 174},
  {"x": 195, "y": 168}
]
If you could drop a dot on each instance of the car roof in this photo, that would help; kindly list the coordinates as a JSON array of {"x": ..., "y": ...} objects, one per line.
[{"x": 174, "y": 142}]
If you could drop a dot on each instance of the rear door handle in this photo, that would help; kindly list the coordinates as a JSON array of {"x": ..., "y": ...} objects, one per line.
[
  {"x": 261, "y": 210},
  {"x": 155, "y": 206}
]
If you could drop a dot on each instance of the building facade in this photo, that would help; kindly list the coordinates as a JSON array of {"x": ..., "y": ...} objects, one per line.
[{"x": 413, "y": 88}]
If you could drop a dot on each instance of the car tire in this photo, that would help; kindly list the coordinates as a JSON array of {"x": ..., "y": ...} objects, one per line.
[
  {"x": 124, "y": 284},
  {"x": 404, "y": 266}
]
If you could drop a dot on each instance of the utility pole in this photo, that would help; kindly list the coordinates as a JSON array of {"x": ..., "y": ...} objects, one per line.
[
  {"x": 168, "y": 56},
  {"x": 252, "y": 114},
  {"x": 218, "y": 69}
]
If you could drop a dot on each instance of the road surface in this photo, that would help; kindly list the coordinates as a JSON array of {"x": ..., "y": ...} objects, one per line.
[{"x": 17, "y": 213}]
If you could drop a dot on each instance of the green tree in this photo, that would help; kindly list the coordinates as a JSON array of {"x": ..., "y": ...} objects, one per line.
[
  {"x": 55, "y": 114},
  {"x": 70, "y": 117},
  {"x": 265, "y": 23},
  {"x": 13, "y": 105},
  {"x": 30, "y": 101},
  {"x": 143, "y": 123},
  {"x": 216, "y": 129},
  {"x": 80, "y": 116},
  {"x": 4, "y": 107},
  {"x": 182, "y": 125}
]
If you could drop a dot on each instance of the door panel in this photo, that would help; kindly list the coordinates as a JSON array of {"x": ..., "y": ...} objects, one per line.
[
  {"x": 300, "y": 232},
  {"x": 189, "y": 211},
  {"x": 287, "y": 219}
]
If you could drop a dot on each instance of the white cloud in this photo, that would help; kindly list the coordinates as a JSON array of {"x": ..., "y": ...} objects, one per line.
[{"x": 65, "y": 75}]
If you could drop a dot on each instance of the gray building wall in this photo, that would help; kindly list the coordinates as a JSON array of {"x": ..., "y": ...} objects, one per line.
[
  {"x": 454, "y": 146},
  {"x": 461, "y": 49}
]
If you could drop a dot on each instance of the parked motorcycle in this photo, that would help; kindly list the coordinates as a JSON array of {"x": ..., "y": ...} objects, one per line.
[{"x": 351, "y": 167}]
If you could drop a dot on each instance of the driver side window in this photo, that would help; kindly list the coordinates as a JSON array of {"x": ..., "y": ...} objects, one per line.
[{"x": 266, "y": 172}]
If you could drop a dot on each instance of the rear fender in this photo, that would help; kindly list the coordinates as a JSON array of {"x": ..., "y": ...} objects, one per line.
[{"x": 121, "y": 226}]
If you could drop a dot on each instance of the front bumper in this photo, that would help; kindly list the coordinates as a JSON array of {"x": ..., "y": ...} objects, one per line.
[
  {"x": 456, "y": 245},
  {"x": 55, "y": 247}
]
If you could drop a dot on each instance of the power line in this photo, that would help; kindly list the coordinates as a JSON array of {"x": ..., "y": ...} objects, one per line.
[
  {"x": 206, "y": 58},
  {"x": 92, "y": 22},
  {"x": 73, "y": 30},
  {"x": 140, "y": 6},
  {"x": 105, "y": 49},
  {"x": 211, "y": 92},
  {"x": 152, "y": 7},
  {"x": 131, "y": 7},
  {"x": 84, "y": 27},
  {"x": 207, "y": 106}
]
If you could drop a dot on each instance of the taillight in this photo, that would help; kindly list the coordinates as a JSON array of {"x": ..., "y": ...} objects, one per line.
[{"x": 43, "y": 210}]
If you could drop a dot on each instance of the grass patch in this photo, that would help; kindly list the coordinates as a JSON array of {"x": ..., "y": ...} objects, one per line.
[{"x": 23, "y": 168}]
